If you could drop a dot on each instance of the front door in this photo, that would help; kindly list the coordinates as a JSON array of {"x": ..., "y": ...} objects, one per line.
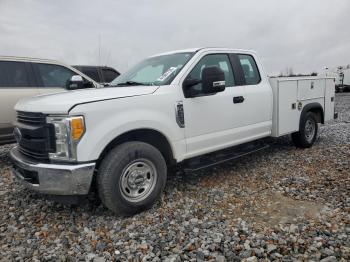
[{"x": 214, "y": 121}]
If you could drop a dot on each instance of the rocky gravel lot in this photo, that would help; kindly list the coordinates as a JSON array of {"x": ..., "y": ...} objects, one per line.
[{"x": 283, "y": 204}]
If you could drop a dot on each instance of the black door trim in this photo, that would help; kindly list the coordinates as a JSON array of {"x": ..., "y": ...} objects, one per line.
[{"x": 237, "y": 69}]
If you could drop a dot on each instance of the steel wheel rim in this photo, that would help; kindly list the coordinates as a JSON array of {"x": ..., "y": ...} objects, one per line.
[
  {"x": 138, "y": 180},
  {"x": 310, "y": 127}
]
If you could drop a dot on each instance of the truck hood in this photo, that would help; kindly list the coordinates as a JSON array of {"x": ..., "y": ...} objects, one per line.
[{"x": 61, "y": 103}]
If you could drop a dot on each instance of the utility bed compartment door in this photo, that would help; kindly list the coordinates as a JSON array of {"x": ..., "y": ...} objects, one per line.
[
  {"x": 287, "y": 112},
  {"x": 329, "y": 100},
  {"x": 291, "y": 95},
  {"x": 310, "y": 89}
]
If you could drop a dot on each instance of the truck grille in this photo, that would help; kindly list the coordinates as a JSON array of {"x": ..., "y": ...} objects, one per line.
[
  {"x": 31, "y": 118},
  {"x": 37, "y": 138}
]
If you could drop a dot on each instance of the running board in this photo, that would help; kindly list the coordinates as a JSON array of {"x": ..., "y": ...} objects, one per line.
[{"x": 222, "y": 156}]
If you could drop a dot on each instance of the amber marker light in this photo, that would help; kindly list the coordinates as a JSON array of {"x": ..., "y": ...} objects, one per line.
[{"x": 77, "y": 127}]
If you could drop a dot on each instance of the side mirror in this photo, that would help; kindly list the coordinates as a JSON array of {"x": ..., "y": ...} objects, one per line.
[
  {"x": 213, "y": 80},
  {"x": 77, "y": 82}
]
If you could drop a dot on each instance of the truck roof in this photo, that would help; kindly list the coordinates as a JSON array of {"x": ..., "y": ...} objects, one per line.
[{"x": 191, "y": 50}]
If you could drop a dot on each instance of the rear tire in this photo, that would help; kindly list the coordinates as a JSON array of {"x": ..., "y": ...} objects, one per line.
[
  {"x": 307, "y": 133},
  {"x": 131, "y": 178}
]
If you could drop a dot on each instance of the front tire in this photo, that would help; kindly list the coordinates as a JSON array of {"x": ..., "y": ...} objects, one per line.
[
  {"x": 307, "y": 133},
  {"x": 131, "y": 178}
]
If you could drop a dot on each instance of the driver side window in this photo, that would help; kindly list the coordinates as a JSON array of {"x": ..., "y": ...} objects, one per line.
[{"x": 220, "y": 60}]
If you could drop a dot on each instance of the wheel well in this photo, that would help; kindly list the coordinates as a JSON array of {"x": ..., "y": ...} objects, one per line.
[
  {"x": 316, "y": 109},
  {"x": 319, "y": 114},
  {"x": 150, "y": 136}
]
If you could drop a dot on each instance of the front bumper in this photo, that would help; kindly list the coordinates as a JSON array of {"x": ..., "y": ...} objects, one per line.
[{"x": 53, "y": 179}]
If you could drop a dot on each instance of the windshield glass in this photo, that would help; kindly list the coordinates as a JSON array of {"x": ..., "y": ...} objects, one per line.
[{"x": 157, "y": 70}]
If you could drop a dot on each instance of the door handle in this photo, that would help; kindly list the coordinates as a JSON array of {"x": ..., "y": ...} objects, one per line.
[{"x": 238, "y": 99}]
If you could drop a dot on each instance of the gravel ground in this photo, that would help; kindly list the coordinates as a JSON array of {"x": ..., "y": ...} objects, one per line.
[{"x": 282, "y": 204}]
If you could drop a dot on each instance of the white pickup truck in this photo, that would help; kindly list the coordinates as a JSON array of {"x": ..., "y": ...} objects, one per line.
[{"x": 178, "y": 107}]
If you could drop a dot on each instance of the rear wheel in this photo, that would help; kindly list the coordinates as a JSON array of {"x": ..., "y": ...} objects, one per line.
[
  {"x": 307, "y": 133},
  {"x": 131, "y": 178}
]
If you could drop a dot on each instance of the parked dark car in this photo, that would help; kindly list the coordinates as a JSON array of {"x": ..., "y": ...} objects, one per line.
[{"x": 101, "y": 74}]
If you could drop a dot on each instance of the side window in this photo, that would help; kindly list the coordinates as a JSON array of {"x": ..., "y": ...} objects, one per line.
[
  {"x": 250, "y": 69},
  {"x": 3, "y": 77},
  {"x": 13, "y": 74},
  {"x": 220, "y": 60},
  {"x": 109, "y": 75},
  {"x": 54, "y": 75},
  {"x": 92, "y": 72}
]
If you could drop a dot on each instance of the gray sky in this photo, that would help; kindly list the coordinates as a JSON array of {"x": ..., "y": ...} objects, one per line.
[{"x": 306, "y": 35}]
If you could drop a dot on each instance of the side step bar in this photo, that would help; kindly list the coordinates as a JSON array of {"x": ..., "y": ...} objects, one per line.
[{"x": 222, "y": 156}]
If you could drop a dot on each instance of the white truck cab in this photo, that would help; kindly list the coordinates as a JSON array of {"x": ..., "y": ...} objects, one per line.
[{"x": 176, "y": 107}]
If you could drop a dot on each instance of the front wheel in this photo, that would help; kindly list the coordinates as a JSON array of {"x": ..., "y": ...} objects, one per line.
[
  {"x": 131, "y": 178},
  {"x": 307, "y": 133}
]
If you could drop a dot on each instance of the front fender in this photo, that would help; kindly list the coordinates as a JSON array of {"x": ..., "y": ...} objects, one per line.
[{"x": 106, "y": 121}]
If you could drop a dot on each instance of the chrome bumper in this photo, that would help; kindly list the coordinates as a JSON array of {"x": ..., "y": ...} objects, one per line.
[{"x": 53, "y": 179}]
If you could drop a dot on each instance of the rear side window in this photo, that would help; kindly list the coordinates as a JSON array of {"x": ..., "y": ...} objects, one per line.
[
  {"x": 92, "y": 73},
  {"x": 13, "y": 74},
  {"x": 54, "y": 75},
  {"x": 250, "y": 69},
  {"x": 109, "y": 75}
]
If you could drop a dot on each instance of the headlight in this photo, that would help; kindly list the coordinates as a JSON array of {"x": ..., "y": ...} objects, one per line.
[{"x": 68, "y": 132}]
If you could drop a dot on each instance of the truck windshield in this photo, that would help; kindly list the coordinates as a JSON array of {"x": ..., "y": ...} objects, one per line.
[{"x": 157, "y": 70}]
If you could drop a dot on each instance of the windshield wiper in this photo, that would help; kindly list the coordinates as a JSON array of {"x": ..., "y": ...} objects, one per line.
[{"x": 130, "y": 83}]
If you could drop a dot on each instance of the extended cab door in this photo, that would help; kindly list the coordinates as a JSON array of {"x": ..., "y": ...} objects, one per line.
[
  {"x": 214, "y": 121},
  {"x": 258, "y": 99}
]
